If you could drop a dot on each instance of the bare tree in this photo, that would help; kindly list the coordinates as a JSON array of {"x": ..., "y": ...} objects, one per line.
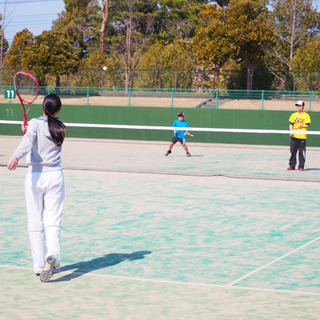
[
  {"x": 3, "y": 44},
  {"x": 293, "y": 22},
  {"x": 2, "y": 27},
  {"x": 133, "y": 42}
]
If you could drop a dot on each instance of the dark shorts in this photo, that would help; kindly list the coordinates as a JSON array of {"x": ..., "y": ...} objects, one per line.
[{"x": 174, "y": 140}]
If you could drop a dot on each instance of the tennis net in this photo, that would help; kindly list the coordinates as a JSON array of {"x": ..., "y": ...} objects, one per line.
[{"x": 237, "y": 153}]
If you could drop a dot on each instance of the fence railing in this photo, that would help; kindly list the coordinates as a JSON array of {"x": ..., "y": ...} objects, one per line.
[{"x": 178, "y": 98}]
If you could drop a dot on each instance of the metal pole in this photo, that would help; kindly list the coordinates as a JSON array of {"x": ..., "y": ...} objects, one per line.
[
  {"x": 172, "y": 97},
  {"x": 10, "y": 94},
  {"x": 129, "y": 96},
  {"x": 217, "y": 98},
  {"x": 310, "y": 99}
]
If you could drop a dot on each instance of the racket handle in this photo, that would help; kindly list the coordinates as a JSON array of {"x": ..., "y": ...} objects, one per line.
[{"x": 25, "y": 123}]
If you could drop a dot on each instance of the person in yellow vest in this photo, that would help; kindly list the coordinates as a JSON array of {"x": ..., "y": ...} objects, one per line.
[{"x": 299, "y": 121}]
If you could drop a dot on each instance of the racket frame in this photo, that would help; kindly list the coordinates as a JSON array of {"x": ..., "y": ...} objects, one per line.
[{"x": 22, "y": 101}]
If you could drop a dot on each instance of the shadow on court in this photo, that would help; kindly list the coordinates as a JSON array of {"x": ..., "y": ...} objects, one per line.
[
  {"x": 105, "y": 261},
  {"x": 183, "y": 156}
]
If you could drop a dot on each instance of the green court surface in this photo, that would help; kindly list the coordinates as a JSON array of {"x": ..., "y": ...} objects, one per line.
[{"x": 169, "y": 246}]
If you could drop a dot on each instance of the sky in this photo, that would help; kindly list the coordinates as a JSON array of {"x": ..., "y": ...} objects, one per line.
[{"x": 35, "y": 15}]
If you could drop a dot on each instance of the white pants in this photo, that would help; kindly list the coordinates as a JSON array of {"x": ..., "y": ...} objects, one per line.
[{"x": 44, "y": 198}]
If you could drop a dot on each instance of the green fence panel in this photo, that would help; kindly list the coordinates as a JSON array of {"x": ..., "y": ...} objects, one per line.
[{"x": 207, "y": 118}]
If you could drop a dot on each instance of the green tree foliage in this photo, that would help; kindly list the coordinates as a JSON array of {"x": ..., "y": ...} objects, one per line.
[
  {"x": 89, "y": 77},
  {"x": 15, "y": 53},
  {"x": 306, "y": 64},
  {"x": 240, "y": 32},
  {"x": 237, "y": 76},
  {"x": 162, "y": 57},
  {"x": 133, "y": 23},
  {"x": 211, "y": 45},
  {"x": 50, "y": 54},
  {"x": 250, "y": 33},
  {"x": 175, "y": 35},
  {"x": 293, "y": 23},
  {"x": 307, "y": 57},
  {"x": 80, "y": 22},
  {"x": 178, "y": 19}
]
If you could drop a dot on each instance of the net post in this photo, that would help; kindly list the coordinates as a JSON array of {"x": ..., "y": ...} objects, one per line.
[
  {"x": 310, "y": 99},
  {"x": 172, "y": 97},
  {"x": 217, "y": 98},
  {"x": 88, "y": 94},
  {"x": 129, "y": 97},
  {"x": 262, "y": 99}
]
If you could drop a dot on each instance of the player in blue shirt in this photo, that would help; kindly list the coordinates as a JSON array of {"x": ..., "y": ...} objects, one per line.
[{"x": 179, "y": 135}]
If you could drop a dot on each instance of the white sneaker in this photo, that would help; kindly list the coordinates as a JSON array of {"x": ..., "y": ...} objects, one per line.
[{"x": 46, "y": 273}]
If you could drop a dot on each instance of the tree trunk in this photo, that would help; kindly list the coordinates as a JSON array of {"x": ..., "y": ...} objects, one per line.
[
  {"x": 58, "y": 81},
  {"x": 133, "y": 47},
  {"x": 105, "y": 17},
  {"x": 293, "y": 36},
  {"x": 250, "y": 71},
  {"x": 222, "y": 3},
  {"x": 128, "y": 77}
]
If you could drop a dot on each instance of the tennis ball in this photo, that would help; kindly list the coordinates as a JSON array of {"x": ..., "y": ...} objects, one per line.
[{"x": 105, "y": 68}]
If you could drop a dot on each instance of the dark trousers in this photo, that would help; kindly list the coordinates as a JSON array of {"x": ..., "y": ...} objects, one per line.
[{"x": 295, "y": 145}]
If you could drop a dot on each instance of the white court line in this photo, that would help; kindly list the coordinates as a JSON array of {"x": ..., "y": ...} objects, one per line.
[
  {"x": 272, "y": 262},
  {"x": 173, "y": 282}
]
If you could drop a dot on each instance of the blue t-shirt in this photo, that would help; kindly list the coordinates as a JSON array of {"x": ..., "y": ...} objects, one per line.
[{"x": 178, "y": 123}]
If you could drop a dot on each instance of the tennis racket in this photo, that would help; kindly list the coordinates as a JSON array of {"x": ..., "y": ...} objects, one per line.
[
  {"x": 189, "y": 134},
  {"x": 27, "y": 89}
]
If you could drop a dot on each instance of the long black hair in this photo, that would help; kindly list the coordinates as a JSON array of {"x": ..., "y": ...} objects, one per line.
[{"x": 51, "y": 105}]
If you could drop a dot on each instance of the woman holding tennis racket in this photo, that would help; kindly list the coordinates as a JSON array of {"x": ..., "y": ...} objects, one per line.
[{"x": 44, "y": 185}]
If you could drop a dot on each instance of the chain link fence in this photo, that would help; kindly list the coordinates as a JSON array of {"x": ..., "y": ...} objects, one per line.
[
  {"x": 171, "y": 88},
  {"x": 175, "y": 98},
  {"x": 177, "y": 79}
]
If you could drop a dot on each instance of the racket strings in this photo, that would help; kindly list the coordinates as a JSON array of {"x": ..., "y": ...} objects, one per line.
[{"x": 26, "y": 87}]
